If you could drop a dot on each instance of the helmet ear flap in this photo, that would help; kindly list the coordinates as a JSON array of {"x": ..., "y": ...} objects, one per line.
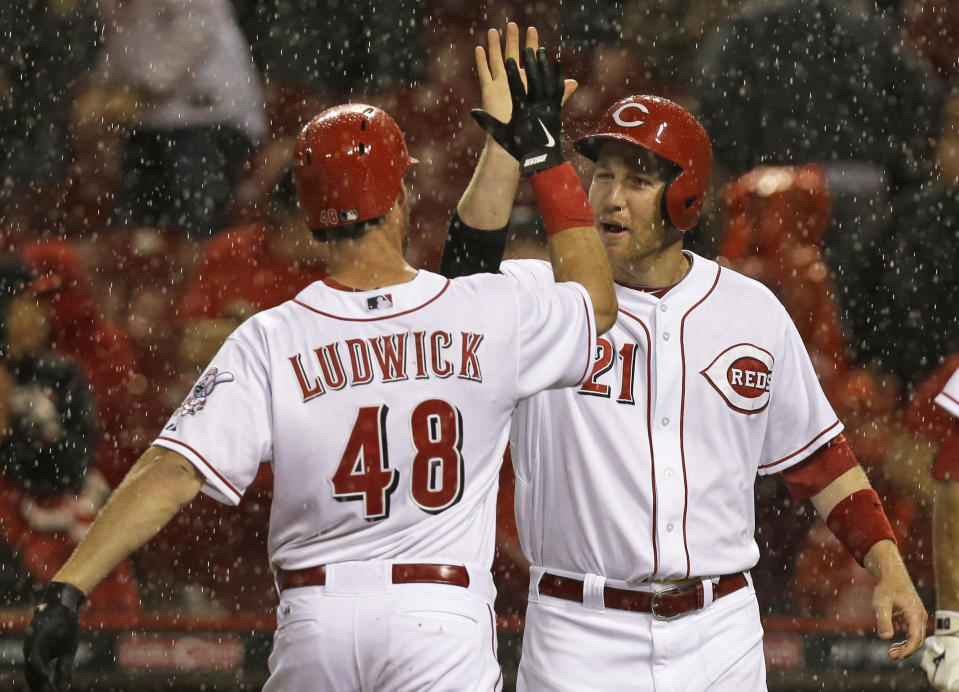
[{"x": 683, "y": 204}]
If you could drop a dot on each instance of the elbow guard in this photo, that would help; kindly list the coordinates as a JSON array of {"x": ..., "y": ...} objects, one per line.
[{"x": 469, "y": 250}]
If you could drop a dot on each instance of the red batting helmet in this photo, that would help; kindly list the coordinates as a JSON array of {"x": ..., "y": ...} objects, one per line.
[
  {"x": 348, "y": 165},
  {"x": 666, "y": 129}
]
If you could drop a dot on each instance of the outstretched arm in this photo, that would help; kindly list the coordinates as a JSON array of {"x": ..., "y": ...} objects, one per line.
[
  {"x": 157, "y": 486},
  {"x": 534, "y": 136},
  {"x": 488, "y": 199},
  {"x": 853, "y": 513},
  {"x": 153, "y": 491}
]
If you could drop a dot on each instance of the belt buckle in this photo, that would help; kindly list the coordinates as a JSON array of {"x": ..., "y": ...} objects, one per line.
[{"x": 655, "y": 600}]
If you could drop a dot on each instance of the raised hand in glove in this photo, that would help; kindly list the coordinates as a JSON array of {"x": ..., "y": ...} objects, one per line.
[
  {"x": 940, "y": 658},
  {"x": 534, "y": 133},
  {"x": 53, "y": 636}
]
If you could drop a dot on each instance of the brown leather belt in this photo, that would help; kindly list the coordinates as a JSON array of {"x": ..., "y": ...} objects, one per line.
[
  {"x": 664, "y": 605},
  {"x": 402, "y": 574}
]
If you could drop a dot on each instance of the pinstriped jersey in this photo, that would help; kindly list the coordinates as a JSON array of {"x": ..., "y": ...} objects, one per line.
[
  {"x": 384, "y": 413},
  {"x": 646, "y": 471}
]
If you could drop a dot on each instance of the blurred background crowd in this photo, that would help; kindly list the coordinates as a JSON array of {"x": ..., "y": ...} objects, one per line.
[{"x": 146, "y": 209}]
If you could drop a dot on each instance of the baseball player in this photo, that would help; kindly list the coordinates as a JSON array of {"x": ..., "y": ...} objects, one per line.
[
  {"x": 940, "y": 658},
  {"x": 634, "y": 492},
  {"x": 382, "y": 397}
]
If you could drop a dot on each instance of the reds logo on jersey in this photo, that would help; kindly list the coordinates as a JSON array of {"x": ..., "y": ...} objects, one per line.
[{"x": 742, "y": 374}]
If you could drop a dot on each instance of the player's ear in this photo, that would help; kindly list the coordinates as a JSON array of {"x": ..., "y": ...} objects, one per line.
[{"x": 402, "y": 197}]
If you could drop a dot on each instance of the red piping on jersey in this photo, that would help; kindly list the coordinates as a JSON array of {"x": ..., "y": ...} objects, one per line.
[
  {"x": 948, "y": 396},
  {"x": 649, "y": 432},
  {"x": 374, "y": 319},
  {"x": 209, "y": 465},
  {"x": 801, "y": 449},
  {"x": 492, "y": 623},
  {"x": 591, "y": 335},
  {"x": 682, "y": 413},
  {"x": 333, "y": 283},
  {"x": 655, "y": 291}
]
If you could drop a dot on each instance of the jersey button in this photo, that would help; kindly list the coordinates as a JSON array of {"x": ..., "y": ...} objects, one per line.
[
  {"x": 662, "y": 307},
  {"x": 665, "y": 336},
  {"x": 665, "y": 421},
  {"x": 669, "y": 475},
  {"x": 669, "y": 527}
]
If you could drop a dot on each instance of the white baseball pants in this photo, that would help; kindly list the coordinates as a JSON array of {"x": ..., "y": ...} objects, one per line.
[
  {"x": 571, "y": 647},
  {"x": 360, "y": 632}
]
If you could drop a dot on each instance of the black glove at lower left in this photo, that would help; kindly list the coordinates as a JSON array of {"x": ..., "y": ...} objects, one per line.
[{"x": 53, "y": 635}]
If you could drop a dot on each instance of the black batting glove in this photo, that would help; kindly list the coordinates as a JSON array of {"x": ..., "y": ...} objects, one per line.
[
  {"x": 53, "y": 635},
  {"x": 534, "y": 134}
]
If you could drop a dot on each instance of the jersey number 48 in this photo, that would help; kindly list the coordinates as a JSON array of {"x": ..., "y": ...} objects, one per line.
[{"x": 436, "y": 475}]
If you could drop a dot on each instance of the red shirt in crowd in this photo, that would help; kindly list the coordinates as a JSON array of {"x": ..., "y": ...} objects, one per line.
[{"x": 239, "y": 265}]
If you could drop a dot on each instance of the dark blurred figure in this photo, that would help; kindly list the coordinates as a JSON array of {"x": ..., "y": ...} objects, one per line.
[
  {"x": 199, "y": 109},
  {"x": 50, "y": 429},
  {"x": 798, "y": 81},
  {"x": 669, "y": 36},
  {"x": 932, "y": 26},
  {"x": 48, "y": 493},
  {"x": 335, "y": 47},
  {"x": 313, "y": 52},
  {"x": 45, "y": 46},
  {"x": 78, "y": 330},
  {"x": 922, "y": 276}
]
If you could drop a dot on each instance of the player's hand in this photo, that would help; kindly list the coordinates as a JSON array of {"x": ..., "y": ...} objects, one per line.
[
  {"x": 940, "y": 657},
  {"x": 491, "y": 68},
  {"x": 53, "y": 635},
  {"x": 896, "y": 597},
  {"x": 534, "y": 133}
]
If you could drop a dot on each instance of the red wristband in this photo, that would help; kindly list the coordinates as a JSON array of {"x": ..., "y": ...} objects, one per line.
[
  {"x": 562, "y": 200},
  {"x": 859, "y": 522}
]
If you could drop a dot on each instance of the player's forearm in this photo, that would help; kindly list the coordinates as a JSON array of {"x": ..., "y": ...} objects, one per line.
[
  {"x": 577, "y": 254},
  {"x": 945, "y": 538},
  {"x": 488, "y": 200},
  {"x": 854, "y": 514},
  {"x": 157, "y": 486},
  {"x": 884, "y": 561},
  {"x": 842, "y": 487}
]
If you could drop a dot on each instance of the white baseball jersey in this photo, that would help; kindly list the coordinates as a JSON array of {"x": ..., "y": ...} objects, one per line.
[
  {"x": 948, "y": 398},
  {"x": 646, "y": 471},
  {"x": 384, "y": 413}
]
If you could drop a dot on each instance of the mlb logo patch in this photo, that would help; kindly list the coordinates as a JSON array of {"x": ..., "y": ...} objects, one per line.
[
  {"x": 349, "y": 215},
  {"x": 380, "y": 302}
]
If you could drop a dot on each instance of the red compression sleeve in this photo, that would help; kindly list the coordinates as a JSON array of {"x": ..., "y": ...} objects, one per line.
[
  {"x": 562, "y": 200},
  {"x": 859, "y": 522},
  {"x": 820, "y": 469},
  {"x": 946, "y": 466}
]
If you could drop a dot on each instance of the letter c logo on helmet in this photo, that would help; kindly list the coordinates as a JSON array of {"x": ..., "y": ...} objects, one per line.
[
  {"x": 670, "y": 131},
  {"x": 618, "y": 115}
]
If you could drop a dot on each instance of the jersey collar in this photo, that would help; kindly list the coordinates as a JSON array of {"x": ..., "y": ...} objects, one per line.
[{"x": 332, "y": 299}]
